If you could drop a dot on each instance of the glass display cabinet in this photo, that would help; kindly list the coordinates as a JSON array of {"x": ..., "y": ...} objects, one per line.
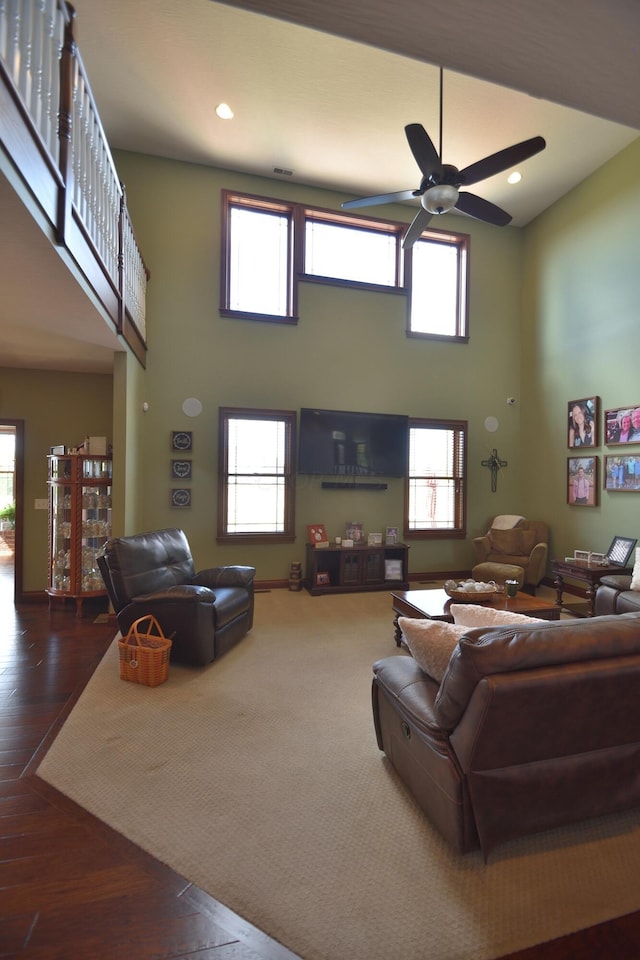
[{"x": 79, "y": 523}]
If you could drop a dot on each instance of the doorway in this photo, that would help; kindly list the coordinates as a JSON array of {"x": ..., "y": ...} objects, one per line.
[{"x": 11, "y": 509}]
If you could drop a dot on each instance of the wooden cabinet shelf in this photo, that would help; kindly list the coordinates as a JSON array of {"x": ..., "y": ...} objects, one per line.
[
  {"x": 79, "y": 523},
  {"x": 338, "y": 569}
]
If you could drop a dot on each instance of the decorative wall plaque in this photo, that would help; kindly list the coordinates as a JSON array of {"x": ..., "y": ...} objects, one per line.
[
  {"x": 181, "y": 469},
  {"x": 180, "y": 497},
  {"x": 181, "y": 440}
]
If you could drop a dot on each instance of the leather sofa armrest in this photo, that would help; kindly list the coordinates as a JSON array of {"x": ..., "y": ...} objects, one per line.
[
  {"x": 482, "y": 547},
  {"x": 230, "y": 576},
  {"x": 618, "y": 581},
  {"x": 180, "y": 593}
]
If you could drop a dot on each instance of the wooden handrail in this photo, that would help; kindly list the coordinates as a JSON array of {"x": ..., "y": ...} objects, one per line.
[{"x": 51, "y": 130}]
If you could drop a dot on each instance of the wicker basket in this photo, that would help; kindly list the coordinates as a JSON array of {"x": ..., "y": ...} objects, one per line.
[
  {"x": 471, "y": 596},
  {"x": 144, "y": 653}
]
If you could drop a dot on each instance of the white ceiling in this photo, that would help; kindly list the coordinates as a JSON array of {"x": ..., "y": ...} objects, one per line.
[{"x": 332, "y": 109}]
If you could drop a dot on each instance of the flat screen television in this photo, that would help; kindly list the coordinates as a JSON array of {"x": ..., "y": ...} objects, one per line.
[{"x": 338, "y": 443}]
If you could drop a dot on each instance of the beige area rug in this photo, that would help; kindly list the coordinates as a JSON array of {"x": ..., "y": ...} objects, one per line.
[{"x": 260, "y": 780}]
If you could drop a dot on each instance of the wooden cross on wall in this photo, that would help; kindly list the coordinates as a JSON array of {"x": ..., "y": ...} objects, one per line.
[{"x": 494, "y": 463}]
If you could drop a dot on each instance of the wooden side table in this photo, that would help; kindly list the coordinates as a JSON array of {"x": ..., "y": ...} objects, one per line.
[{"x": 584, "y": 572}]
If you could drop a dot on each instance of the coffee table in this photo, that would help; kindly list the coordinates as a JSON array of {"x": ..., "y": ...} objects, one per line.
[{"x": 435, "y": 604}]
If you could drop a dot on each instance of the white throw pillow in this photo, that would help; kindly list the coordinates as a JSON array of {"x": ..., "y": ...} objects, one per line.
[
  {"x": 431, "y": 643},
  {"x": 473, "y": 615},
  {"x": 635, "y": 576}
]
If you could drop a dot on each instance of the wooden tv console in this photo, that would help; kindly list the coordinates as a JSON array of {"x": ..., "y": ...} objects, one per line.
[{"x": 338, "y": 569}]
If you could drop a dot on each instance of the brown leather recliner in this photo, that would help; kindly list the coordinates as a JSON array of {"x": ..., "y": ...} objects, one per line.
[
  {"x": 153, "y": 573},
  {"x": 532, "y": 727}
]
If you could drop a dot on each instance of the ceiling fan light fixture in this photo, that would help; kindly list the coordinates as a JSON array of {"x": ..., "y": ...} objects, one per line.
[{"x": 439, "y": 199}]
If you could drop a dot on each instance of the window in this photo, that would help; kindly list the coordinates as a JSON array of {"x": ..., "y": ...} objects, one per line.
[
  {"x": 256, "y": 484},
  {"x": 345, "y": 249},
  {"x": 257, "y": 258},
  {"x": 269, "y": 246},
  {"x": 438, "y": 287},
  {"x": 436, "y": 496}
]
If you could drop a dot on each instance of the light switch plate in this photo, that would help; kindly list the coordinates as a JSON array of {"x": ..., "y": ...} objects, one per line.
[{"x": 41, "y": 504}]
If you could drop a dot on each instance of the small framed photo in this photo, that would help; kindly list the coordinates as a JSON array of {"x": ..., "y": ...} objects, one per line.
[
  {"x": 374, "y": 539},
  {"x": 582, "y": 481},
  {"x": 620, "y": 550},
  {"x": 391, "y": 535},
  {"x": 355, "y": 531},
  {"x": 622, "y": 425},
  {"x": 393, "y": 569},
  {"x": 622, "y": 473},
  {"x": 181, "y": 440},
  {"x": 180, "y": 497},
  {"x": 322, "y": 578},
  {"x": 181, "y": 469},
  {"x": 316, "y": 533},
  {"x": 582, "y": 422}
]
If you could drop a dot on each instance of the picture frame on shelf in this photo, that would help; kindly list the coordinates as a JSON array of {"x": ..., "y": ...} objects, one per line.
[
  {"x": 355, "y": 531},
  {"x": 316, "y": 533},
  {"x": 581, "y": 554},
  {"x": 620, "y": 551},
  {"x": 622, "y": 473},
  {"x": 582, "y": 422},
  {"x": 322, "y": 579},
  {"x": 391, "y": 535},
  {"x": 393, "y": 569},
  {"x": 374, "y": 540},
  {"x": 582, "y": 481},
  {"x": 619, "y": 425}
]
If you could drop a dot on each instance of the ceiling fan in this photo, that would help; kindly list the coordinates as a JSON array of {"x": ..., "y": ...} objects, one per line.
[{"x": 439, "y": 189}]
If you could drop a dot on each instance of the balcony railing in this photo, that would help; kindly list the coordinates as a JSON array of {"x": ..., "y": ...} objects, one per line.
[{"x": 51, "y": 130}]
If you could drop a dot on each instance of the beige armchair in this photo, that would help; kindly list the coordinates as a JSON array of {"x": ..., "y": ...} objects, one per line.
[{"x": 524, "y": 545}]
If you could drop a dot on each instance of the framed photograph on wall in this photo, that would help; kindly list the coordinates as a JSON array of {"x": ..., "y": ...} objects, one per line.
[
  {"x": 181, "y": 469},
  {"x": 582, "y": 422},
  {"x": 582, "y": 481},
  {"x": 622, "y": 425},
  {"x": 622, "y": 473}
]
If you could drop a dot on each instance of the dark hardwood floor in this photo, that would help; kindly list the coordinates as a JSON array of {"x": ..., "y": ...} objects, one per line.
[{"x": 73, "y": 889}]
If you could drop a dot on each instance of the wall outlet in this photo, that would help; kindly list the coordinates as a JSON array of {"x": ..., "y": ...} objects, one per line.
[{"x": 41, "y": 504}]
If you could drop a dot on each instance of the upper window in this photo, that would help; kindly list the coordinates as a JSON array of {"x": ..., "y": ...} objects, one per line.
[
  {"x": 438, "y": 287},
  {"x": 435, "y": 501},
  {"x": 257, "y": 258},
  {"x": 257, "y": 481},
  {"x": 268, "y": 246},
  {"x": 342, "y": 249}
]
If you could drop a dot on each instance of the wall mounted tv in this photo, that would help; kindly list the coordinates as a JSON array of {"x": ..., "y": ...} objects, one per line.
[{"x": 341, "y": 444}]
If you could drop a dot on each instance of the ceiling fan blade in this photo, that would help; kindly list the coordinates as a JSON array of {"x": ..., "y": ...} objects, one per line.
[
  {"x": 502, "y": 160},
  {"x": 383, "y": 198},
  {"x": 481, "y": 209},
  {"x": 422, "y": 148},
  {"x": 417, "y": 225}
]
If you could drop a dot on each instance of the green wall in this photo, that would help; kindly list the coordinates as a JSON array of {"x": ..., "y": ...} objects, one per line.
[
  {"x": 56, "y": 408},
  {"x": 581, "y": 338},
  {"x": 349, "y": 351}
]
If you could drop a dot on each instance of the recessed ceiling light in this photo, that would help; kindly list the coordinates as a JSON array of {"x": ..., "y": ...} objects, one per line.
[
  {"x": 224, "y": 111},
  {"x": 514, "y": 177}
]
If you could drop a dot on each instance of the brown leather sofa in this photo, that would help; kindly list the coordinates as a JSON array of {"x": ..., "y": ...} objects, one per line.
[
  {"x": 614, "y": 595},
  {"x": 207, "y": 613},
  {"x": 524, "y": 545},
  {"x": 531, "y": 728}
]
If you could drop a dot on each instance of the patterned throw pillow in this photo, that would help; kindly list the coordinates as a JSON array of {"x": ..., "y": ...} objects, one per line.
[
  {"x": 431, "y": 643},
  {"x": 474, "y": 615}
]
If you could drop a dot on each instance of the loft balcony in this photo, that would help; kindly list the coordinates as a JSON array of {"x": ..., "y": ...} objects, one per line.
[{"x": 60, "y": 196}]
